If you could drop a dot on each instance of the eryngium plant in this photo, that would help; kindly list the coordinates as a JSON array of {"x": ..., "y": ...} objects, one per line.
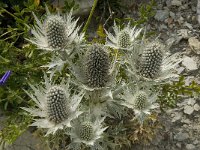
[
  {"x": 155, "y": 64},
  {"x": 55, "y": 106},
  {"x": 56, "y": 32},
  {"x": 123, "y": 39},
  {"x": 87, "y": 130},
  {"x": 141, "y": 101}
]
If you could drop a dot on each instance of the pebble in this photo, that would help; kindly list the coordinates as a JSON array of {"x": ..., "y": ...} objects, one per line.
[
  {"x": 191, "y": 101},
  {"x": 176, "y": 3},
  {"x": 194, "y": 44},
  {"x": 196, "y": 107},
  {"x": 181, "y": 136},
  {"x": 190, "y": 147},
  {"x": 189, "y": 63},
  {"x": 188, "y": 109},
  {"x": 161, "y": 15}
]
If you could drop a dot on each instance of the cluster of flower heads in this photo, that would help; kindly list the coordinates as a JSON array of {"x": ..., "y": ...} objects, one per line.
[{"x": 93, "y": 74}]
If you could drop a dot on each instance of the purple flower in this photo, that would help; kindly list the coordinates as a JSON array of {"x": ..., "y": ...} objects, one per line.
[{"x": 5, "y": 77}]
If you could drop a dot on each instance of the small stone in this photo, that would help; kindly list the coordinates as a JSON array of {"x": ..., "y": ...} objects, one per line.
[
  {"x": 180, "y": 70},
  {"x": 161, "y": 15},
  {"x": 196, "y": 142},
  {"x": 184, "y": 33},
  {"x": 196, "y": 107},
  {"x": 190, "y": 147},
  {"x": 191, "y": 101},
  {"x": 176, "y": 3},
  {"x": 188, "y": 109},
  {"x": 189, "y": 63},
  {"x": 177, "y": 116},
  {"x": 194, "y": 44},
  {"x": 172, "y": 14},
  {"x": 181, "y": 136}
]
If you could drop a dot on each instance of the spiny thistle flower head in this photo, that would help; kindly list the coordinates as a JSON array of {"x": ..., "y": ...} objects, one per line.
[
  {"x": 151, "y": 60},
  {"x": 56, "y": 32},
  {"x": 87, "y": 130},
  {"x": 140, "y": 99},
  {"x": 96, "y": 66},
  {"x": 124, "y": 39},
  {"x": 55, "y": 107},
  {"x": 154, "y": 62}
]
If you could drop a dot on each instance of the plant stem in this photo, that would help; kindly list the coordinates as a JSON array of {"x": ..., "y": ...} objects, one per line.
[{"x": 90, "y": 16}]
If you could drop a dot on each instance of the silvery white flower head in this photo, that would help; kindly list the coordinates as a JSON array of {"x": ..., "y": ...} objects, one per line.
[
  {"x": 55, "y": 106},
  {"x": 87, "y": 130},
  {"x": 154, "y": 63},
  {"x": 123, "y": 39},
  {"x": 56, "y": 32},
  {"x": 94, "y": 71},
  {"x": 141, "y": 100}
]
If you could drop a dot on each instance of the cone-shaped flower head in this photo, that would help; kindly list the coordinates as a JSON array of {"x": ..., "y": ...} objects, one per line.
[
  {"x": 55, "y": 106},
  {"x": 87, "y": 130},
  {"x": 151, "y": 60},
  {"x": 96, "y": 67},
  {"x": 141, "y": 101},
  {"x": 124, "y": 38},
  {"x": 56, "y": 32}
]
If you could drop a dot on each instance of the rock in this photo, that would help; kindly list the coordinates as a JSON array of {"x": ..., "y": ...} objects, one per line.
[
  {"x": 161, "y": 15},
  {"x": 196, "y": 107},
  {"x": 181, "y": 136},
  {"x": 176, "y": 3},
  {"x": 194, "y": 44},
  {"x": 189, "y": 63},
  {"x": 177, "y": 116},
  {"x": 180, "y": 70},
  {"x": 190, "y": 147},
  {"x": 184, "y": 33},
  {"x": 188, "y": 109},
  {"x": 191, "y": 101}
]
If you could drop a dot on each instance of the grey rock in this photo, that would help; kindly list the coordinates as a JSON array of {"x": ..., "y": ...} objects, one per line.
[
  {"x": 196, "y": 107},
  {"x": 191, "y": 101},
  {"x": 176, "y": 3},
  {"x": 161, "y": 15},
  {"x": 181, "y": 136},
  {"x": 188, "y": 109},
  {"x": 194, "y": 44},
  {"x": 190, "y": 147},
  {"x": 189, "y": 63}
]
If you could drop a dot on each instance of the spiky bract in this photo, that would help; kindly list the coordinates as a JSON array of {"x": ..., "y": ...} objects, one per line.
[{"x": 96, "y": 66}]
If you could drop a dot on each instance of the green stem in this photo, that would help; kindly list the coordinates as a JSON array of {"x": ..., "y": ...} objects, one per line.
[{"x": 90, "y": 16}]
